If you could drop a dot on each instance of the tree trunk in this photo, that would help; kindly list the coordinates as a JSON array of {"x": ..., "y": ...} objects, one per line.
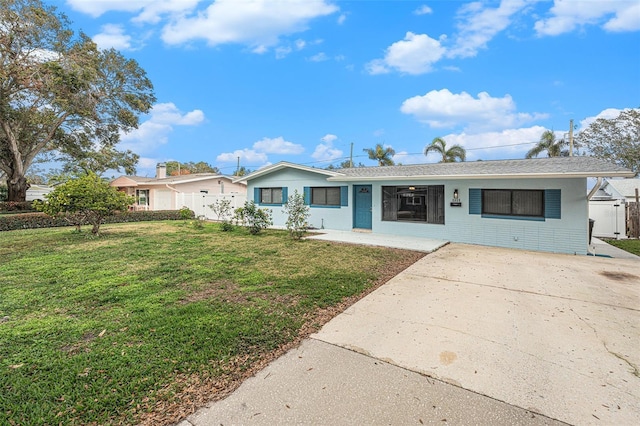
[{"x": 17, "y": 188}]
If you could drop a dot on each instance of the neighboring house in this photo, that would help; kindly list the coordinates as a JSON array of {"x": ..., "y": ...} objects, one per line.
[
  {"x": 195, "y": 191},
  {"x": 37, "y": 192},
  {"x": 610, "y": 207},
  {"x": 536, "y": 204}
]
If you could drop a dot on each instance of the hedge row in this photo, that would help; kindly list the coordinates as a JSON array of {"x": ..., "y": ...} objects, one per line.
[
  {"x": 15, "y": 206},
  {"x": 41, "y": 220}
]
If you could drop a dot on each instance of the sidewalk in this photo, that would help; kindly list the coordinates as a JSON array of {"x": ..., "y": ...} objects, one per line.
[
  {"x": 601, "y": 248},
  {"x": 322, "y": 384}
]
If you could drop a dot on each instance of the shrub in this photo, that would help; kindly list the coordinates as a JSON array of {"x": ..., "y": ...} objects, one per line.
[
  {"x": 85, "y": 200},
  {"x": 297, "y": 214},
  {"x": 253, "y": 217},
  {"x": 186, "y": 213},
  {"x": 222, "y": 209},
  {"x": 16, "y": 206},
  {"x": 41, "y": 220}
]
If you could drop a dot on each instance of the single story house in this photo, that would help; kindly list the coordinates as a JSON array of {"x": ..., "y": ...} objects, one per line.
[
  {"x": 535, "y": 204},
  {"x": 195, "y": 191},
  {"x": 610, "y": 207}
]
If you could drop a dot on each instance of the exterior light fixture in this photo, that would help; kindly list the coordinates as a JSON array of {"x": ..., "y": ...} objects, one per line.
[
  {"x": 456, "y": 201},
  {"x": 412, "y": 188}
]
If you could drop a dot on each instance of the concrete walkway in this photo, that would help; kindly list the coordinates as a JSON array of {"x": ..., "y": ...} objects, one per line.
[
  {"x": 467, "y": 335},
  {"x": 426, "y": 245},
  {"x": 602, "y": 248}
]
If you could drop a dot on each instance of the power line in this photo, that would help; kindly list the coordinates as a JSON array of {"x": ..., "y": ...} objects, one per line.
[{"x": 341, "y": 159}]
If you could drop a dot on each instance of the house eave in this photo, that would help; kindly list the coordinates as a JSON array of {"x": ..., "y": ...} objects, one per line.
[
  {"x": 284, "y": 165},
  {"x": 572, "y": 175}
]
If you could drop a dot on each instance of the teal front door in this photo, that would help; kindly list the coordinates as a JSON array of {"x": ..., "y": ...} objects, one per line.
[{"x": 362, "y": 206}]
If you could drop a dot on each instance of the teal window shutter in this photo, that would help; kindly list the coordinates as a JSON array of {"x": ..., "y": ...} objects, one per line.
[
  {"x": 307, "y": 195},
  {"x": 552, "y": 204},
  {"x": 256, "y": 195},
  {"x": 475, "y": 201},
  {"x": 285, "y": 195},
  {"x": 344, "y": 195}
]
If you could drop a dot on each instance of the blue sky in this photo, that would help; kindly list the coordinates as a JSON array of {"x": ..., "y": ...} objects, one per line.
[{"x": 300, "y": 81}]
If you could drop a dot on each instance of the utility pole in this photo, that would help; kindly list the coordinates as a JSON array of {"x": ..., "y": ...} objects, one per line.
[
  {"x": 571, "y": 138},
  {"x": 238, "y": 168},
  {"x": 351, "y": 156}
]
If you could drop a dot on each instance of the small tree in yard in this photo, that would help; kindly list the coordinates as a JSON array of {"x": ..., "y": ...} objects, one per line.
[
  {"x": 253, "y": 217},
  {"x": 222, "y": 209},
  {"x": 297, "y": 215},
  {"x": 85, "y": 200}
]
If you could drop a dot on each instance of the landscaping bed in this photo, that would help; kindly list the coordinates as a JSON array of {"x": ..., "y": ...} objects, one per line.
[{"x": 150, "y": 321}]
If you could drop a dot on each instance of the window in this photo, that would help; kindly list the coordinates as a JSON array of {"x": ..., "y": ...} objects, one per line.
[
  {"x": 142, "y": 197},
  {"x": 413, "y": 203},
  {"x": 513, "y": 202},
  {"x": 270, "y": 195},
  {"x": 329, "y": 196}
]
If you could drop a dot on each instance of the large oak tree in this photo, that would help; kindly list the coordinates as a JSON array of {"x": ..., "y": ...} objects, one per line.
[{"x": 59, "y": 92}]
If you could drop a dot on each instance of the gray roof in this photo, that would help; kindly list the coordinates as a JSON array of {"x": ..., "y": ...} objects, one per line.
[
  {"x": 194, "y": 177},
  {"x": 536, "y": 167},
  {"x": 625, "y": 187}
]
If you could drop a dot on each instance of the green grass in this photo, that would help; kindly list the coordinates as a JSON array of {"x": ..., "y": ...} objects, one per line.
[
  {"x": 632, "y": 246},
  {"x": 149, "y": 316}
]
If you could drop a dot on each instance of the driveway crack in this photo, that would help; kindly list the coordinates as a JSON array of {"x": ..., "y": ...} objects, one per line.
[{"x": 634, "y": 368}]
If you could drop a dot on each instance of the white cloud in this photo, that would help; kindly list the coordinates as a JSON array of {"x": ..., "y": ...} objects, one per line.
[
  {"x": 113, "y": 36},
  {"x": 614, "y": 16},
  {"x": 282, "y": 52},
  {"x": 257, "y": 155},
  {"x": 319, "y": 57},
  {"x": 277, "y": 146},
  {"x": 442, "y": 109},
  {"x": 414, "y": 55},
  {"x": 342, "y": 18},
  {"x": 328, "y": 138},
  {"x": 156, "y": 130},
  {"x": 326, "y": 151},
  {"x": 300, "y": 44},
  {"x": 508, "y": 143},
  {"x": 150, "y": 10},
  {"x": 479, "y": 24},
  {"x": 247, "y": 156},
  {"x": 423, "y": 10},
  {"x": 251, "y": 22},
  {"x": 607, "y": 114}
]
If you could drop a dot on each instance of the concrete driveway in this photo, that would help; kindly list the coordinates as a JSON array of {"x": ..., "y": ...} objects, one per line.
[
  {"x": 467, "y": 335},
  {"x": 555, "y": 334}
]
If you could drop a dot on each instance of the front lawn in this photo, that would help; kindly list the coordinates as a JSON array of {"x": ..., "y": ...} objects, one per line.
[
  {"x": 632, "y": 246},
  {"x": 151, "y": 320}
]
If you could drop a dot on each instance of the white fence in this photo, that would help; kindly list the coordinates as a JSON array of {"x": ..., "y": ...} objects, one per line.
[
  {"x": 609, "y": 218},
  {"x": 200, "y": 203}
]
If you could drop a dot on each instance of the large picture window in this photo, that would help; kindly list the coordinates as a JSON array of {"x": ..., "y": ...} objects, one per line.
[
  {"x": 513, "y": 202},
  {"x": 270, "y": 195},
  {"x": 142, "y": 197},
  {"x": 413, "y": 203},
  {"x": 325, "y": 196}
]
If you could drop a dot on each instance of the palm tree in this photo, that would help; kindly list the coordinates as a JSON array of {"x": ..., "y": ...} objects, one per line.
[
  {"x": 381, "y": 155},
  {"x": 549, "y": 144},
  {"x": 448, "y": 155}
]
